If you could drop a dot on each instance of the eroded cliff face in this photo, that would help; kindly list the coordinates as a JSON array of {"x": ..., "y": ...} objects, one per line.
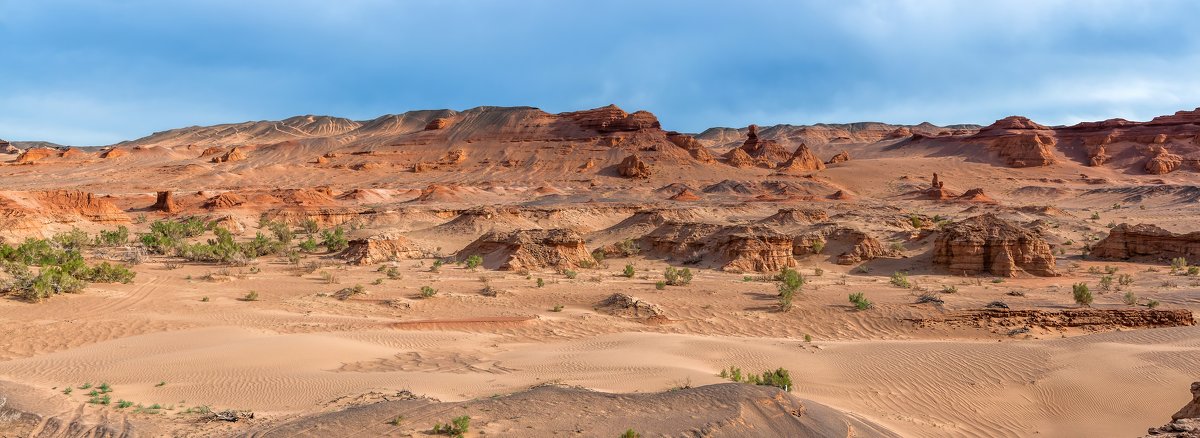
[
  {"x": 529, "y": 249},
  {"x": 1146, "y": 240},
  {"x": 987, "y": 244}
]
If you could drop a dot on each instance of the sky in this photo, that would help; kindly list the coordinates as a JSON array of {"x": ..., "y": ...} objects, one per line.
[{"x": 98, "y": 72}]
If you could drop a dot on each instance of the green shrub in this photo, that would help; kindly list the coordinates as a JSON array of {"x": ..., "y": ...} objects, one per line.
[
  {"x": 309, "y": 245},
  {"x": 1193, "y": 270},
  {"x": 677, "y": 277},
  {"x": 1106, "y": 283},
  {"x": 949, "y": 289},
  {"x": 428, "y": 292},
  {"x": 117, "y": 237},
  {"x": 630, "y": 433},
  {"x": 660, "y": 285},
  {"x": 1130, "y": 299},
  {"x": 251, "y": 296},
  {"x": 334, "y": 240},
  {"x": 474, "y": 261},
  {"x": 1081, "y": 294},
  {"x": 790, "y": 281},
  {"x": 900, "y": 279},
  {"x": 1152, "y": 304},
  {"x": 309, "y": 226},
  {"x": 540, "y": 282},
  {"x": 860, "y": 301},
  {"x": 1125, "y": 279},
  {"x": 108, "y": 273},
  {"x": 629, "y": 272},
  {"x": 437, "y": 266},
  {"x": 457, "y": 427},
  {"x": 1178, "y": 264},
  {"x": 628, "y": 248},
  {"x": 818, "y": 246},
  {"x": 570, "y": 274}
]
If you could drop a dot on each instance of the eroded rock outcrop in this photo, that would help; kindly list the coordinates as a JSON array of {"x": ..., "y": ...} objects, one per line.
[
  {"x": 803, "y": 160},
  {"x": 693, "y": 146},
  {"x": 987, "y": 244},
  {"x": 863, "y": 246},
  {"x": 1127, "y": 241},
  {"x": 1019, "y": 141},
  {"x": 1163, "y": 162},
  {"x": 764, "y": 153},
  {"x": 612, "y": 119},
  {"x": 1098, "y": 157},
  {"x": 67, "y": 204},
  {"x": 841, "y": 157},
  {"x": 33, "y": 155},
  {"x": 1185, "y": 423},
  {"x": 529, "y": 249},
  {"x": 1004, "y": 320},
  {"x": 633, "y": 167},
  {"x": 235, "y": 154},
  {"x": 740, "y": 248},
  {"x": 224, "y": 200},
  {"x": 628, "y": 306},
  {"x": 382, "y": 248},
  {"x": 438, "y": 123},
  {"x": 165, "y": 202},
  {"x": 114, "y": 153}
]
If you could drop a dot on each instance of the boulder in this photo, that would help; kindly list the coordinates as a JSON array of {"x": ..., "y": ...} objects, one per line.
[
  {"x": 1098, "y": 157},
  {"x": 841, "y": 157},
  {"x": 633, "y": 167},
  {"x": 1127, "y": 241},
  {"x": 529, "y": 249},
  {"x": 381, "y": 248},
  {"x": 628, "y": 306},
  {"x": 987, "y": 244},
  {"x": 863, "y": 246}
]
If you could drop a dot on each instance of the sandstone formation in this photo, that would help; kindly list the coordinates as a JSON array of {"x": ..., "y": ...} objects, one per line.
[
  {"x": 114, "y": 153},
  {"x": 165, "y": 202},
  {"x": 235, "y": 154},
  {"x": 740, "y": 248},
  {"x": 1127, "y": 241},
  {"x": 841, "y": 157},
  {"x": 224, "y": 200},
  {"x": 693, "y": 146},
  {"x": 628, "y": 306},
  {"x": 381, "y": 248},
  {"x": 438, "y": 123},
  {"x": 72, "y": 204},
  {"x": 802, "y": 160},
  {"x": 8, "y": 148},
  {"x": 739, "y": 158},
  {"x": 976, "y": 195},
  {"x": 685, "y": 195},
  {"x": 1004, "y": 320},
  {"x": 1162, "y": 162},
  {"x": 612, "y": 119},
  {"x": 1098, "y": 157},
  {"x": 1019, "y": 141},
  {"x": 863, "y": 246},
  {"x": 529, "y": 249},
  {"x": 764, "y": 153},
  {"x": 32, "y": 155},
  {"x": 633, "y": 167},
  {"x": 987, "y": 244},
  {"x": 1185, "y": 423}
]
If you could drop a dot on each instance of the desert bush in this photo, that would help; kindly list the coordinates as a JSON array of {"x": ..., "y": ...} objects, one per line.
[
  {"x": 540, "y": 282},
  {"x": 1193, "y": 270},
  {"x": 428, "y": 292},
  {"x": 1106, "y": 283},
  {"x": 630, "y": 433},
  {"x": 900, "y": 279},
  {"x": 818, "y": 246},
  {"x": 309, "y": 245},
  {"x": 108, "y": 273},
  {"x": 250, "y": 296},
  {"x": 335, "y": 239},
  {"x": 1130, "y": 299},
  {"x": 949, "y": 289},
  {"x": 628, "y": 272},
  {"x": 628, "y": 248},
  {"x": 1125, "y": 279},
  {"x": 790, "y": 281},
  {"x": 473, "y": 261},
  {"x": 570, "y": 274},
  {"x": 119, "y": 236},
  {"x": 1081, "y": 294},
  {"x": 1152, "y": 304},
  {"x": 437, "y": 265},
  {"x": 660, "y": 285},
  {"x": 860, "y": 301},
  {"x": 677, "y": 277},
  {"x": 1178, "y": 264},
  {"x": 458, "y": 427},
  {"x": 346, "y": 293},
  {"x": 916, "y": 221},
  {"x": 309, "y": 226}
]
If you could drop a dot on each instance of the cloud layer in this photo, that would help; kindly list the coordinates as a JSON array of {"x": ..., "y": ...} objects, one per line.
[{"x": 89, "y": 73}]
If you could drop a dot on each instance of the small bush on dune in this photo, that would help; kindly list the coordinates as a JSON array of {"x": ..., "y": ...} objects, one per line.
[{"x": 1081, "y": 294}]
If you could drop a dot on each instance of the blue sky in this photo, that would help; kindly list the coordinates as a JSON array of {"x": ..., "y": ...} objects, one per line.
[{"x": 97, "y": 72}]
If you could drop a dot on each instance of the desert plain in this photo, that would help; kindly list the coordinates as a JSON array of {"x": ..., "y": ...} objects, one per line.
[{"x": 318, "y": 276}]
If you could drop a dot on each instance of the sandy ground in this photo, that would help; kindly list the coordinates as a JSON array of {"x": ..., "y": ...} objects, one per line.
[{"x": 295, "y": 352}]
